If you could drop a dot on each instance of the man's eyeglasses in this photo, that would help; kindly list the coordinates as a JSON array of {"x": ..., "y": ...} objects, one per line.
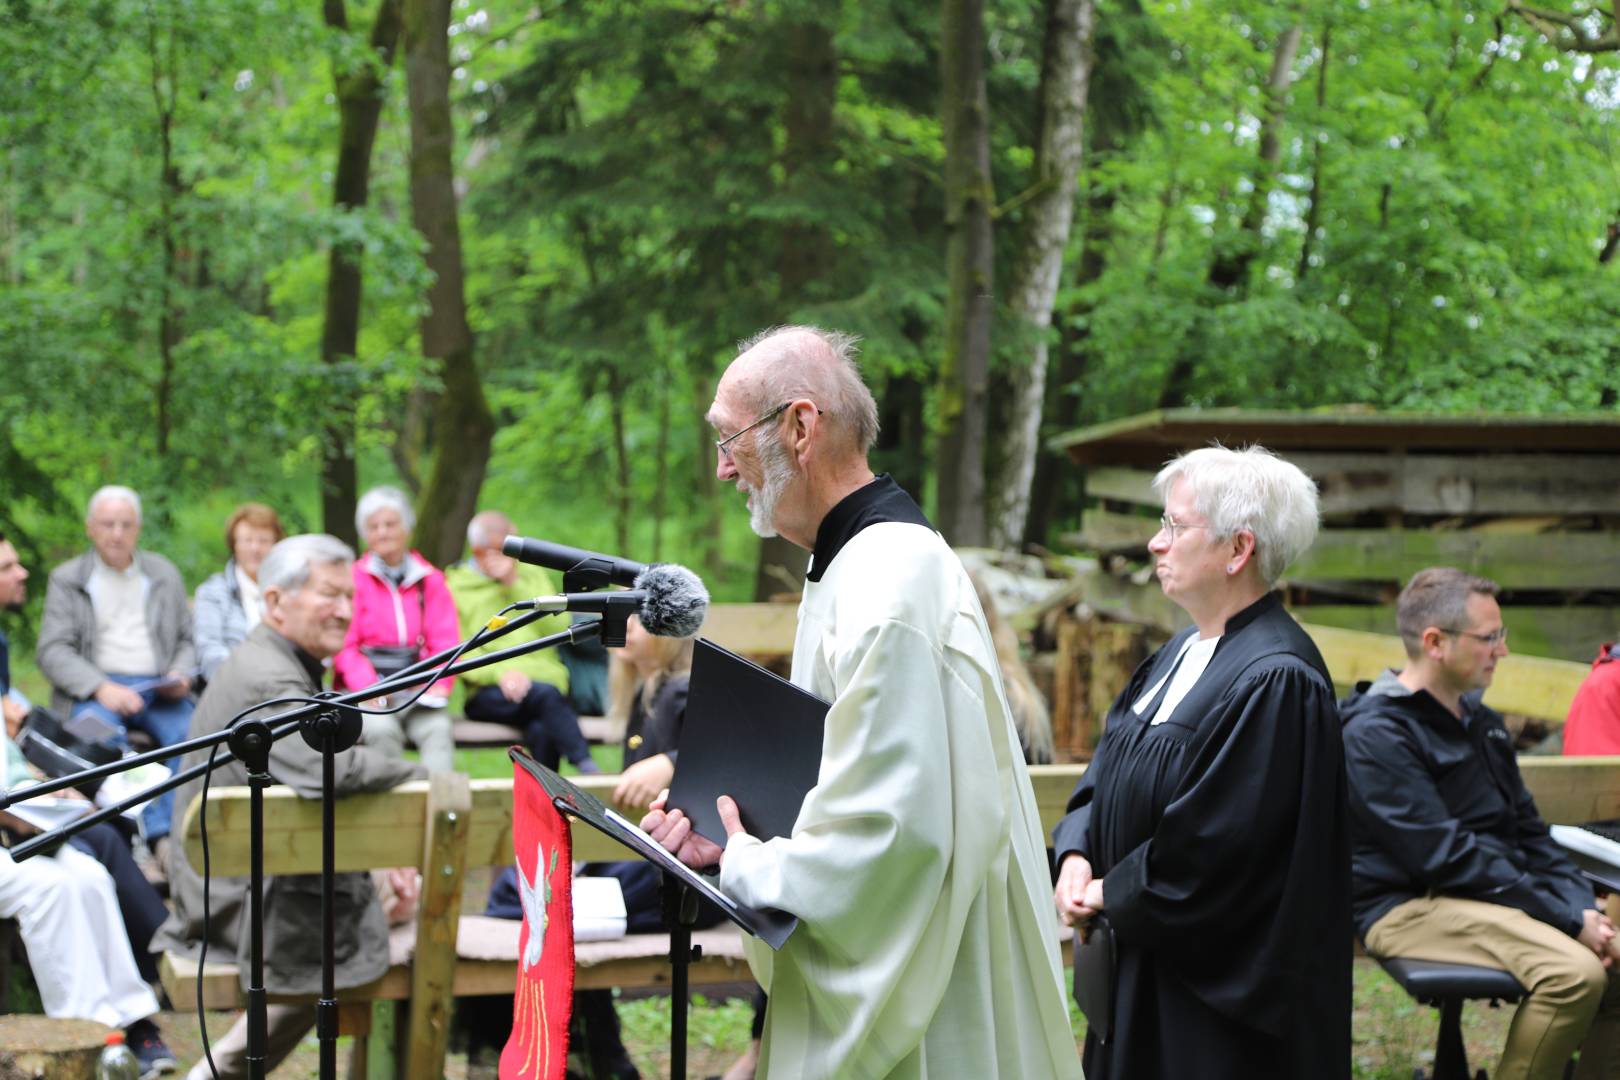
[
  {"x": 1168, "y": 524},
  {"x": 723, "y": 445},
  {"x": 1493, "y": 639}
]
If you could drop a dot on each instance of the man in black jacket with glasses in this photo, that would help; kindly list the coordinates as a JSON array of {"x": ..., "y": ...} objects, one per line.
[{"x": 1451, "y": 860}]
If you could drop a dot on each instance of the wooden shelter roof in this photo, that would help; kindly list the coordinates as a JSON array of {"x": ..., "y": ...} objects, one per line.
[{"x": 1152, "y": 438}]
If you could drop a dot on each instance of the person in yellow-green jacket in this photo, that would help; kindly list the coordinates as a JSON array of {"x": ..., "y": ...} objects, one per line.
[{"x": 527, "y": 692}]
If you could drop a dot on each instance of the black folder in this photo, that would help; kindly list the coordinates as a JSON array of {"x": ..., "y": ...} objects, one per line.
[
  {"x": 771, "y": 927},
  {"x": 749, "y": 734}
]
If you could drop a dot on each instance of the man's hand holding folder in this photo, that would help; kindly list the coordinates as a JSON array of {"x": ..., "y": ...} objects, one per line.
[{"x": 674, "y": 831}]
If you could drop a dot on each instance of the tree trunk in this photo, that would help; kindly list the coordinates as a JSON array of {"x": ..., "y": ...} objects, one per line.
[
  {"x": 10, "y": 265},
  {"x": 621, "y": 461},
  {"x": 1053, "y": 472},
  {"x": 811, "y": 66},
  {"x": 1229, "y": 270},
  {"x": 969, "y": 254},
  {"x": 660, "y": 505},
  {"x": 707, "y": 486},
  {"x": 1313, "y": 215},
  {"x": 463, "y": 422},
  {"x": 1611, "y": 240},
  {"x": 413, "y": 437},
  {"x": 164, "y": 95},
  {"x": 808, "y": 155},
  {"x": 1038, "y": 264},
  {"x": 360, "y": 101}
]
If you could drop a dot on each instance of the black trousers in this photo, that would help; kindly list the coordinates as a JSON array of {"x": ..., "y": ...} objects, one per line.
[
  {"x": 138, "y": 901},
  {"x": 549, "y": 723}
]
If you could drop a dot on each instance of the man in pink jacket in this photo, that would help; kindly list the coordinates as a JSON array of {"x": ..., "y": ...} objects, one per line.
[{"x": 403, "y": 611}]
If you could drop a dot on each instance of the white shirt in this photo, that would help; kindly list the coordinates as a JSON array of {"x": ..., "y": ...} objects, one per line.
[
  {"x": 252, "y": 598},
  {"x": 1183, "y": 675},
  {"x": 123, "y": 644}
]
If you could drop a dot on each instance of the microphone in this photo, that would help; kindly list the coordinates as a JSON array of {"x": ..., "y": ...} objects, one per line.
[
  {"x": 561, "y": 557},
  {"x": 669, "y": 599}
]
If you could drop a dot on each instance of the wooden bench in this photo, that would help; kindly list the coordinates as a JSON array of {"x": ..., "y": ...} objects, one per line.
[
  {"x": 445, "y": 825},
  {"x": 449, "y": 824},
  {"x": 476, "y": 733}
]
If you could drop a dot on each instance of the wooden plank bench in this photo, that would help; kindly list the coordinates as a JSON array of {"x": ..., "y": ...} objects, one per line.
[
  {"x": 450, "y": 823},
  {"x": 475, "y": 733}
]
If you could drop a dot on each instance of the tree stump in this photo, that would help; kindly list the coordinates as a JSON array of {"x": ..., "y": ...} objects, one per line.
[{"x": 41, "y": 1048}]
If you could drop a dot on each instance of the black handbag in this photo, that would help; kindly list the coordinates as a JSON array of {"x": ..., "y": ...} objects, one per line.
[
  {"x": 390, "y": 660},
  {"x": 1094, "y": 974}
]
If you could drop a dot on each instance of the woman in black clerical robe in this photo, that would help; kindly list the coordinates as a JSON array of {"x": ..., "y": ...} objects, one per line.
[{"x": 1210, "y": 829}]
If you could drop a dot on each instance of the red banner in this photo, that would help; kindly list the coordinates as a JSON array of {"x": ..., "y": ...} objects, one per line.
[{"x": 538, "y": 1048}]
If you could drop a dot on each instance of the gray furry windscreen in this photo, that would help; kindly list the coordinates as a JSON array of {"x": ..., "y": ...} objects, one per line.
[{"x": 676, "y": 600}]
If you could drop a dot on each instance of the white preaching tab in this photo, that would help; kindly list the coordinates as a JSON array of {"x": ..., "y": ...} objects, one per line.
[{"x": 1183, "y": 676}]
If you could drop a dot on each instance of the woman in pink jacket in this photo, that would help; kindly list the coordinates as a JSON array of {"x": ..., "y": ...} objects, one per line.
[{"x": 402, "y": 612}]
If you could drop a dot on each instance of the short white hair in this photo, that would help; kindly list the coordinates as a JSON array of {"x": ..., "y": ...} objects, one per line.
[
  {"x": 384, "y": 498},
  {"x": 837, "y": 388},
  {"x": 1249, "y": 490},
  {"x": 479, "y": 534},
  {"x": 288, "y": 566},
  {"x": 109, "y": 493}
]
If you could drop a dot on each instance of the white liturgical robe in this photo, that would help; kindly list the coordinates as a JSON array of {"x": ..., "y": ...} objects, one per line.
[{"x": 928, "y": 942}]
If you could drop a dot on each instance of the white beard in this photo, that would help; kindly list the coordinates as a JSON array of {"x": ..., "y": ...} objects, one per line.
[{"x": 778, "y": 473}]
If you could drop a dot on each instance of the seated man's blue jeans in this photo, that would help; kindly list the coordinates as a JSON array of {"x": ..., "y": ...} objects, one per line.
[{"x": 168, "y": 722}]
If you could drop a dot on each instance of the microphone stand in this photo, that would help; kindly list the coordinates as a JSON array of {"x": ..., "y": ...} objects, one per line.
[
  {"x": 680, "y": 910},
  {"x": 329, "y": 726}
]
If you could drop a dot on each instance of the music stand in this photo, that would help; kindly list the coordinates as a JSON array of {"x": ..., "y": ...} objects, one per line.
[{"x": 683, "y": 887}]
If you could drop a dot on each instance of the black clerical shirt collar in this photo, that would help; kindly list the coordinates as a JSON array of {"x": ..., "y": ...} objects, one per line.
[
  {"x": 1267, "y": 603},
  {"x": 871, "y": 504}
]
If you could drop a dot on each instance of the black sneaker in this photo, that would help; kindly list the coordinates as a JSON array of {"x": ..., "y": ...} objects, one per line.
[{"x": 147, "y": 1045}]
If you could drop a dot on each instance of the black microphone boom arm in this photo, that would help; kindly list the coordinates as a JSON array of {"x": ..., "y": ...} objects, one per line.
[{"x": 582, "y": 570}]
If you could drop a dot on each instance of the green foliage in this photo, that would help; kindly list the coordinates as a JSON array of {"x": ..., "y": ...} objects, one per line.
[
  {"x": 1466, "y": 182},
  {"x": 646, "y": 183}
]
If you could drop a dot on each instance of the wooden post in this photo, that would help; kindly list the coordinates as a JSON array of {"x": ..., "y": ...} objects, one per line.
[
  {"x": 444, "y": 863},
  {"x": 1112, "y": 661},
  {"x": 1068, "y": 697},
  {"x": 379, "y": 1060}
]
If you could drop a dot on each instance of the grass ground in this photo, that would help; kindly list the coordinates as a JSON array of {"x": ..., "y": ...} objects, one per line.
[{"x": 1391, "y": 1035}]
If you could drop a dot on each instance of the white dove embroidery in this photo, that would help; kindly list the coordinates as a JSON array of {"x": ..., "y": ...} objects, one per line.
[{"x": 536, "y": 897}]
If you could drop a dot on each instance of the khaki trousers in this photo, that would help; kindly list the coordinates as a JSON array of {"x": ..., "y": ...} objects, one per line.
[
  {"x": 1573, "y": 1002},
  {"x": 285, "y": 1028},
  {"x": 429, "y": 728}
]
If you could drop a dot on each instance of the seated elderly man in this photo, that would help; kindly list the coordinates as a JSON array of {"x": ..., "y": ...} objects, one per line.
[
  {"x": 308, "y": 592},
  {"x": 1451, "y": 861},
  {"x": 70, "y": 904},
  {"x": 526, "y": 692},
  {"x": 116, "y": 637}
]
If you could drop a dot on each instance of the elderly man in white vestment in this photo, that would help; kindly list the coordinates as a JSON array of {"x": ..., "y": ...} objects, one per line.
[{"x": 927, "y": 945}]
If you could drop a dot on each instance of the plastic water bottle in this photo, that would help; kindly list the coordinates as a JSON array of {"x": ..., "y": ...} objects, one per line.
[{"x": 117, "y": 1061}]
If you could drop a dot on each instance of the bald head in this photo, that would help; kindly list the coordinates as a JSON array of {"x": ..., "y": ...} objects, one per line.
[
  {"x": 484, "y": 535},
  {"x": 487, "y": 529},
  {"x": 789, "y": 363}
]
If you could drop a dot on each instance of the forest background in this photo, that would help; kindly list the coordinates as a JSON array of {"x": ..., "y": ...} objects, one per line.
[{"x": 499, "y": 251}]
